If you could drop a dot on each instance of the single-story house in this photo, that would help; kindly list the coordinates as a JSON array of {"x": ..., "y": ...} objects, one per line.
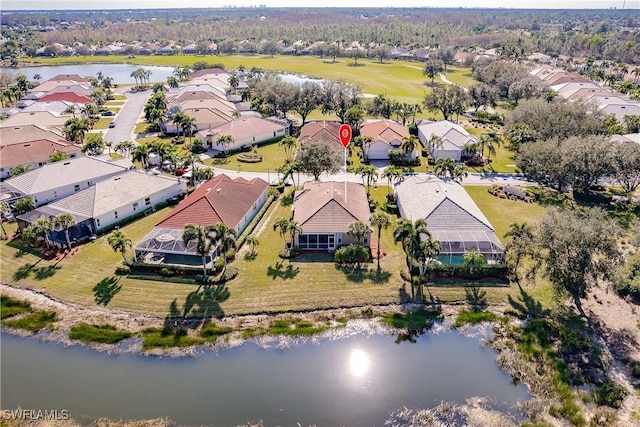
[
  {"x": 245, "y": 131},
  {"x": 387, "y": 135},
  {"x": 204, "y": 118},
  {"x": 323, "y": 131},
  {"x": 621, "y": 109},
  {"x": 73, "y": 97},
  {"x": 630, "y": 137},
  {"x": 108, "y": 202},
  {"x": 20, "y": 134},
  {"x": 33, "y": 153},
  {"x": 43, "y": 119},
  {"x": 54, "y": 181},
  {"x": 324, "y": 212},
  {"x": 221, "y": 199},
  {"x": 453, "y": 137},
  {"x": 452, "y": 217}
]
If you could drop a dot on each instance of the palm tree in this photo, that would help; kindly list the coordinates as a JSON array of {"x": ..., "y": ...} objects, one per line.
[
  {"x": 458, "y": 173},
  {"x": 42, "y": 227},
  {"x": 124, "y": 148},
  {"x": 369, "y": 175},
  {"x": 427, "y": 252},
  {"x": 58, "y": 156},
  {"x": 177, "y": 120},
  {"x": 473, "y": 259},
  {"x": 4, "y": 209},
  {"x": 294, "y": 229},
  {"x": 521, "y": 242},
  {"x": 410, "y": 234},
  {"x": 365, "y": 143},
  {"x": 358, "y": 230},
  {"x": 491, "y": 140},
  {"x": 234, "y": 82},
  {"x": 141, "y": 154},
  {"x": 205, "y": 240},
  {"x": 393, "y": 175},
  {"x": 188, "y": 125},
  {"x": 252, "y": 241},
  {"x": 119, "y": 243},
  {"x": 445, "y": 166},
  {"x": 435, "y": 143},
  {"x": 23, "y": 205},
  {"x": 19, "y": 169},
  {"x": 71, "y": 109},
  {"x": 289, "y": 144},
  {"x": 226, "y": 238},
  {"x": 282, "y": 225},
  {"x": 65, "y": 221},
  {"x": 226, "y": 141},
  {"x": 409, "y": 144},
  {"x": 172, "y": 82},
  {"x": 380, "y": 221}
]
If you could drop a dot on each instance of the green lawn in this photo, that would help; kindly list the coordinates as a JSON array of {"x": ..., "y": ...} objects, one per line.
[
  {"x": 502, "y": 161},
  {"x": 273, "y": 156},
  {"x": 460, "y": 76},
  {"x": 103, "y": 123},
  {"x": 372, "y": 76}
]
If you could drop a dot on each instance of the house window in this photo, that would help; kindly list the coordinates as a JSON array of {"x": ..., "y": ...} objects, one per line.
[
  {"x": 274, "y": 134},
  {"x": 89, "y": 183},
  {"x": 116, "y": 214},
  {"x": 55, "y": 194},
  {"x": 98, "y": 222},
  {"x": 316, "y": 241},
  {"x": 147, "y": 201},
  {"x": 135, "y": 206},
  {"x": 76, "y": 187}
]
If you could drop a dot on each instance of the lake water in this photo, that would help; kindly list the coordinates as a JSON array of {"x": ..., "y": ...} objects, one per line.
[
  {"x": 121, "y": 73},
  {"x": 357, "y": 380}
]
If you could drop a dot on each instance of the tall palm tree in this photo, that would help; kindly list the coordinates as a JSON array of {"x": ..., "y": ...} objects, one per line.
[
  {"x": 205, "y": 241},
  {"x": 294, "y": 229},
  {"x": 234, "y": 82},
  {"x": 358, "y": 230},
  {"x": 289, "y": 144},
  {"x": 393, "y": 175},
  {"x": 369, "y": 175},
  {"x": 172, "y": 82},
  {"x": 445, "y": 166},
  {"x": 71, "y": 109},
  {"x": 4, "y": 209},
  {"x": 124, "y": 148},
  {"x": 141, "y": 154},
  {"x": 225, "y": 237},
  {"x": 409, "y": 144},
  {"x": 225, "y": 141},
  {"x": 435, "y": 143},
  {"x": 410, "y": 234},
  {"x": 282, "y": 225},
  {"x": 119, "y": 242},
  {"x": 459, "y": 172},
  {"x": 427, "y": 251},
  {"x": 379, "y": 221},
  {"x": 40, "y": 227},
  {"x": 188, "y": 125},
  {"x": 252, "y": 241},
  {"x": 177, "y": 120},
  {"x": 65, "y": 221},
  {"x": 491, "y": 140}
]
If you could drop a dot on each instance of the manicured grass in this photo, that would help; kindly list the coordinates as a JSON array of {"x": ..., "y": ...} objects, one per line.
[
  {"x": 460, "y": 76},
  {"x": 501, "y": 213},
  {"x": 273, "y": 156},
  {"x": 118, "y": 97},
  {"x": 33, "y": 322},
  {"x": 10, "y": 307},
  {"x": 502, "y": 161},
  {"x": 103, "y": 123},
  {"x": 372, "y": 76},
  {"x": 471, "y": 317},
  {"x": 141, "y": 128},
  {"x": 102, "y": 334}
]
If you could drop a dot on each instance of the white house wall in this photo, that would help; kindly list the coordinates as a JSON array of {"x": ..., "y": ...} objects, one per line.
[
  {"x": 51, "y": 195},
  {"x": 443, "y": 154},
  {"x": 252, "y": 213},
  {"x": 379, "y": 150},
  {"x": 109, "y": 218}
]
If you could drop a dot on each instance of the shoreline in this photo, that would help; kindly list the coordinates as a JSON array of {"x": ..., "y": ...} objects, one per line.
[{"x": 71, "y": 314}]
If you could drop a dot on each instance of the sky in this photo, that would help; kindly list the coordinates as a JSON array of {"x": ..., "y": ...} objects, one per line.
[{"x": 158, "y": 4}]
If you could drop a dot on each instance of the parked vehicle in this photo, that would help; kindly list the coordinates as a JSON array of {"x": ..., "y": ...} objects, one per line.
[{"x": 112, "y": 124}]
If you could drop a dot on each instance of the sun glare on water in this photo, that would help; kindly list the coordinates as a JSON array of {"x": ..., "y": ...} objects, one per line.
[{"x": 359, "y": 362}]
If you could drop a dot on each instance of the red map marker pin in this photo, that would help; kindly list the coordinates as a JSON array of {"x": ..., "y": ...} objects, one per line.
[{"x": 345, "y": 135}]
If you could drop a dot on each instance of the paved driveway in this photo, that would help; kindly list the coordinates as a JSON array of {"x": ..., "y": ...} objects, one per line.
[{"x": 127, "y": 117}]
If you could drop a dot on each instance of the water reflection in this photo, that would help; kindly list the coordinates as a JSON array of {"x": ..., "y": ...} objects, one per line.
[{"x": 359, "y": 362}]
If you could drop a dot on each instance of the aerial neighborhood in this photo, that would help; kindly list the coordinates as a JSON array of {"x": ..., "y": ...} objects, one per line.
[{"x": 201, "y": 191}]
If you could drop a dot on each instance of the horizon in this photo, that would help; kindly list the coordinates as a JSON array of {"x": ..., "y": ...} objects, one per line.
[{"x": 70, "y": 5}]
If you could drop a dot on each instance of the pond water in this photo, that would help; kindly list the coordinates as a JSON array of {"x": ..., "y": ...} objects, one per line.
[
  {"x": 357, "y": 380},
  {"x": 121, "y": 73}
]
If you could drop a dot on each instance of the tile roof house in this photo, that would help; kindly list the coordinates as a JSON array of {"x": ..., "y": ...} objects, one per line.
[
  {"x": 33, "y": 153},
  {"x": 20, "y": 134},
  {"x": 454, "y": 139},
  {"x": 386, "y": 134},
  {"x": 245, "y": 131},
  {"x": 72, "y": 97},
  {"x": 43, "y": 119},
  {"x": 324, "y": 131},
  {"x": 55, "y": 181},
  {"x": 452, "y": 216},
  {"x": 204, "y": 118},
  {"x": 221, "y": 199},
  {"x": 621, "y": 109},
  {"x": 324, "y": 213},
  {"x": 108, "y": 202}
]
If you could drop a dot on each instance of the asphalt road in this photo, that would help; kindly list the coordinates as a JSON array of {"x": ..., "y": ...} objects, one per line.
[{"x": 127, "y": 118}]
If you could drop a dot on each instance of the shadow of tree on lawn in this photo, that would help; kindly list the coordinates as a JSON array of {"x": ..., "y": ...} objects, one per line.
[
  {"x": 284, "y": 273},
  {"x": 106, "y": 289},
  {"x": 46, "y": 272},
  {"x": 359, "y": 274},
  {"x": 200, "y": 307},
  {"x": 23, "y": 272}
]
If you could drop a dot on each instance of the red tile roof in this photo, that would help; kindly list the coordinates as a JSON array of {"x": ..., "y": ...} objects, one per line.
[
  {"x": 385, "y": 130},
  {"x": 221, "y": 199},
  {"x": 321, "y": 131},
  {"x": 37, "y": 151},
  {"x": 66, "y": 96},
  {"x": 74, "y": 77}
]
